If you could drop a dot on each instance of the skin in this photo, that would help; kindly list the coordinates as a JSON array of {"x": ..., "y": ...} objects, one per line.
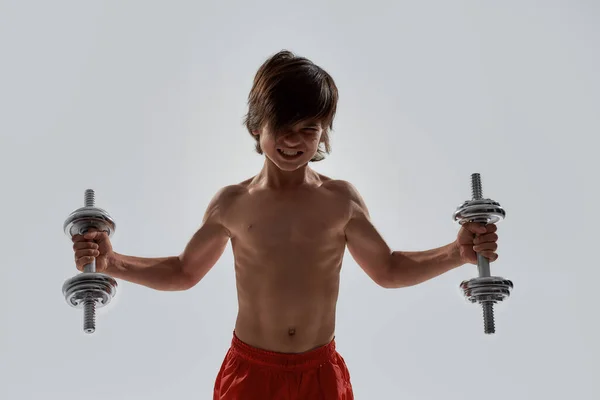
[{"x": 289, "y": 227}]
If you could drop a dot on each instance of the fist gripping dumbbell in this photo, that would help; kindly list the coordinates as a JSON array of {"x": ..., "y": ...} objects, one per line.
[
  {"x": 89, "y": 290},
  {"x": 485, "y": 289}
]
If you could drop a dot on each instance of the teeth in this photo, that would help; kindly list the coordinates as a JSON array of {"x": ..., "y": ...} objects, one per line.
[{"x": 289, "y": 153}]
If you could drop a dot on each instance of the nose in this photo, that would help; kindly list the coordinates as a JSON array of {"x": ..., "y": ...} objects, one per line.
[{"x": 291, "y": 139}]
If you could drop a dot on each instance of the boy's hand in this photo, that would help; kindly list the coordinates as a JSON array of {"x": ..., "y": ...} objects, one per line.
[
  {"x": 94, "y": 244},
  {"x": 476, "y": 238}
]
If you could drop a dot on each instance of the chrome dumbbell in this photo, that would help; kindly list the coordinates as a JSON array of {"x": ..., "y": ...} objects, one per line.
[
  {"x": 485, "y": 289},
  {"x": 89, "y": 290}
]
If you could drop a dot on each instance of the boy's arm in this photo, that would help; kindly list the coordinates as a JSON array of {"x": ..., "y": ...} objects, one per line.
[
  {"x": 208, "y": 243},
  {"x": 184, "y": 271},
  {"x": 387, "y": 268}
]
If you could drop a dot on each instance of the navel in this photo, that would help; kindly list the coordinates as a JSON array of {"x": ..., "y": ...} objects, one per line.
[{"x": 292, "y": 331}]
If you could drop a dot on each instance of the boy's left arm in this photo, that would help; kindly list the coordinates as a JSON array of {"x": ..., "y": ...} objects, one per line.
[{"x": 395, "y": 269}]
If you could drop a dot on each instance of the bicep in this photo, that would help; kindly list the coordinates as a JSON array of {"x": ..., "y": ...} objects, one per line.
[
  {"x": 208, "y": 243},
  {"x": 364, "y": 242}
]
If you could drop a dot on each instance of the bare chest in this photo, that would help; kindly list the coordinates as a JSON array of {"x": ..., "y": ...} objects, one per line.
[{"x": 286, "y": 222}]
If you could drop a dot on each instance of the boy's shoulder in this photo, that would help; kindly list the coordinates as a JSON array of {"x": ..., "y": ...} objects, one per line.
[{"x": 345, "y": 189}]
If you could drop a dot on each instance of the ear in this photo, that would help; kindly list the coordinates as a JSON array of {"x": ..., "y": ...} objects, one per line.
[{"x": 255, "y": 133}]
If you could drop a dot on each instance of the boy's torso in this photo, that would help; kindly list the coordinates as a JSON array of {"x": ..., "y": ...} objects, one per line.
[{"x": 288, "y": 248}]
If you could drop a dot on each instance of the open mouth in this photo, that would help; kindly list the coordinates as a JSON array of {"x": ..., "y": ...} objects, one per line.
[{"x": 290, "y": 155}]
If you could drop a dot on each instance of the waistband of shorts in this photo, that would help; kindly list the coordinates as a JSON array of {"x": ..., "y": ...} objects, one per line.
[{"x": 289, "y": 361}]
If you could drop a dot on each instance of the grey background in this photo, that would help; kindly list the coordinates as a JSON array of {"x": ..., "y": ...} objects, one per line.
[{"x": 143, "y": 102}]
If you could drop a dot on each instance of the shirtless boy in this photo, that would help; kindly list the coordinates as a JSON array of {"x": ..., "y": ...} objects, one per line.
[{"x": 289, "y": 227}]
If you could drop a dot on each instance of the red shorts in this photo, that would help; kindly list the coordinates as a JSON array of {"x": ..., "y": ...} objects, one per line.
[{"x": 249, "y": 373}]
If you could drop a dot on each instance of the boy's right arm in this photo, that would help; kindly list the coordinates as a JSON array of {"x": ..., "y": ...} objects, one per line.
[{"x": 184, "y": 271}]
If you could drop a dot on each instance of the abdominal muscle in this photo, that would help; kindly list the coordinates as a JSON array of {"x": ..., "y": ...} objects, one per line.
[{"x": 287, "y": 312}]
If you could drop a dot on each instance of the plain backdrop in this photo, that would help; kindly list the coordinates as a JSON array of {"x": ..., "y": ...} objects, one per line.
[{"x": 143, "y": 101}]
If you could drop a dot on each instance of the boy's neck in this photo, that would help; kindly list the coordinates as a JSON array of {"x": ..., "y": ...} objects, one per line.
[{"x": 272, "y": 177}]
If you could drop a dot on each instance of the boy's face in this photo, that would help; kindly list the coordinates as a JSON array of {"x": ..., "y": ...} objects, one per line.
[{"x": 300, "y": 141}]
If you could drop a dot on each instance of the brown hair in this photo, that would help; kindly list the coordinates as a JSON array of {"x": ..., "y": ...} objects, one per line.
[{"x": 288, "y": 89}]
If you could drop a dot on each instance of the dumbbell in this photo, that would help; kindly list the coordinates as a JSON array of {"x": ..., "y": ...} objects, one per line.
[
  {"x": 89, "y": 290},
  {"x": 486, "y": 290}
]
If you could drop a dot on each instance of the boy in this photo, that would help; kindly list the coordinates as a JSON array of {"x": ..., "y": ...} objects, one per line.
[{"x": 289, "y": 227}]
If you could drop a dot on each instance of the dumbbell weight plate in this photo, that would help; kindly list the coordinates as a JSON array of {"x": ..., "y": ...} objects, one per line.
[
  {"x": 485, "y": 211},
  {"x": 100, "y": 287},
  {"x": 486, "y": 289},
  {"x": 85, "y": 218}
]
